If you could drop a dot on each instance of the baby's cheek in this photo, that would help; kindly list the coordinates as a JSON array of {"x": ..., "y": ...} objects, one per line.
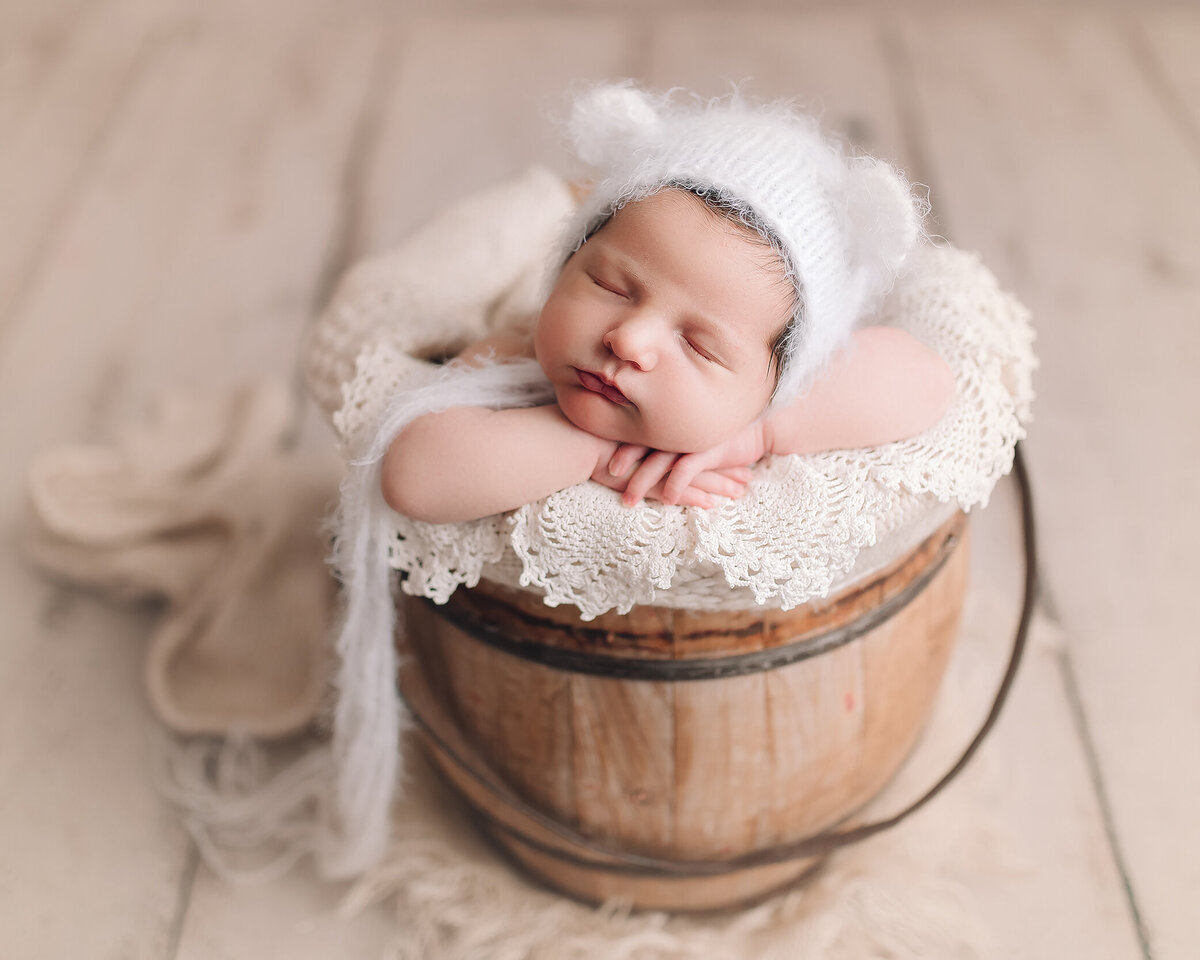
[
  {"x": 692, "y": 429},
  {"x": 708, "y": 423}
]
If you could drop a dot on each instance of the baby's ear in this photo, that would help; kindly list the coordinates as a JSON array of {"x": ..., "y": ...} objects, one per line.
[
  {"x": 608, "y": 121},
  {"x": 884, "y": 219}
]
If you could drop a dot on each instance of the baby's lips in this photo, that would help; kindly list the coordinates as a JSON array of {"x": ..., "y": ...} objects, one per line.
[{"x": 592, "y": 382}]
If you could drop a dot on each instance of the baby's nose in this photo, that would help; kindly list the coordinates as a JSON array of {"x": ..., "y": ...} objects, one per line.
[{"x": 634, "y": 341}]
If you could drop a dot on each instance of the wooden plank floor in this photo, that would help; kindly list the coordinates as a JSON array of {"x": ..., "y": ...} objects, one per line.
[{"x": 181, "y": 181}]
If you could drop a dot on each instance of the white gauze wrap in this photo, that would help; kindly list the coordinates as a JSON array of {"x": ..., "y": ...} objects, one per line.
[
  {"x": 334, "y": 802},
  {"x": 366, "y": 720}
]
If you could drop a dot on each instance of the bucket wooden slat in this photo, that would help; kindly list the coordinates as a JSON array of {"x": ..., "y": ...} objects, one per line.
[
  {"x": 717, "y": 742},
  {"x": 625, "y": 786},
  {"x": 815, "y": 716},
  {"x": 904, "y": 659},
  {"x": 524, "y": 723}
]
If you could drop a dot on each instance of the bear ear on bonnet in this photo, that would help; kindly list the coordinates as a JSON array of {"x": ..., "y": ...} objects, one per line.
[
  {"x": 610, "y": 121},
  {"x": 883, "y": 220}
]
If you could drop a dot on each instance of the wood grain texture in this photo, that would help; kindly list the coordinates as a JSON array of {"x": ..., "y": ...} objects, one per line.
[
  {"x": 903, "y": 664},
  {"x": 623, "y": 758},
  {"x": 470, "y": 772},
  {"x": 1076, "y": 184},
  {"x": 58, "y": 98},
  {"x": 813, "y": 756},
  {"x": 1026, "y": 115},
  {"x": 471, "y": 105},
  {"x": 281, "y": 102},
  {"x": 696, "y": 769},
  {"x": 829, "y": 61},
  {"x": 719, "y": 739},
  {"x": 82, "y": 829},
  {"x": 1165, "y": 43},
  {"x": 185, "y": 262}
]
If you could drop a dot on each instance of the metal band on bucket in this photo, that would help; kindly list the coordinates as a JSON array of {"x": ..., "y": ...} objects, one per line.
[{"x": 707, "y": 668}]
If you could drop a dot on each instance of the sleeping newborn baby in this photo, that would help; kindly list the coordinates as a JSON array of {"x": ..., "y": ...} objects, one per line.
[{"x": 704, "y": 316}]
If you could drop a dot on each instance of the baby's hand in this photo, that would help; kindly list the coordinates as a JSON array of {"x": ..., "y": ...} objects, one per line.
[
  {"x": 688, "y": 479},
  {"x": 644, "y": 474}
]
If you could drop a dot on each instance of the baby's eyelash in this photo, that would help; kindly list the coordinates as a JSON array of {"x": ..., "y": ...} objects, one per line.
[
  {"x": 698, "y": 351},
  {"x": 604, "y": 286}
]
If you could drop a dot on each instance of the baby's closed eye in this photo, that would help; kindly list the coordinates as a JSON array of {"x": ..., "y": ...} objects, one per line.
[
  {"x": 609, "y": 286},
  {"x": 696, "y": 347}
]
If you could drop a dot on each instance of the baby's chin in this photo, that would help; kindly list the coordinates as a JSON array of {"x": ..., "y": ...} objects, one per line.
[{"x": 596, "y": 416}]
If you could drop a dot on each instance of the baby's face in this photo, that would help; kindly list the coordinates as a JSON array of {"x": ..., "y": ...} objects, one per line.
[{"x": 659, "y": 329}]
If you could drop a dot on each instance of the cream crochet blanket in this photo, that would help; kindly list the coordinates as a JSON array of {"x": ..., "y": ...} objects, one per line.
[{"x": 806, "y": 525}]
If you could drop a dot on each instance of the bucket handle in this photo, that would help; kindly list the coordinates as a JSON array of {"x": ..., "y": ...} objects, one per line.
[{"x": 627, "y": 863}]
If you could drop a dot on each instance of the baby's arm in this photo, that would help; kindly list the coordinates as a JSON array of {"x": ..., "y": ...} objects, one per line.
[
  {"x": 469, "y": 462},
  {"x": 885, "y": 386}
]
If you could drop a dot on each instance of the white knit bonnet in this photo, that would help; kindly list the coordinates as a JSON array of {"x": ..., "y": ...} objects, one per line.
[{"x": 843, "y": 226}]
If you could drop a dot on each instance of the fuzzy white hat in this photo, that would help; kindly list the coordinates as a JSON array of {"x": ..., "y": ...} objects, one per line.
[{"x": 843, "y": 226}]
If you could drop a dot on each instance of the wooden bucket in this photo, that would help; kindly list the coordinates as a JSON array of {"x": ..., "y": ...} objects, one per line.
[{"x": 680, "y": 735}]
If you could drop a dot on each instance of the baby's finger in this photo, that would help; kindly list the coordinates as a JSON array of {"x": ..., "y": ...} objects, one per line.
[
  {"x": 651, "y": 471},
  {"x": 627, "y": 455},
  {"x": 682, "y": 474},
  {"x": 740, "y": 474},
  {"x": 711, "y": 481},
  {"x": 692, "y": 497}
]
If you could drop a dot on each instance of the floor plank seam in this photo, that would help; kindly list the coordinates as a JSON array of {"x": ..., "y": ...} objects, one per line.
[
  {"x": 898, "y": 65},
  {"x": 1161, "y": 88},
  {"x": 149, "y": 48},
  {"x": 1078, "y": 715},
  {"x": 645, "y": 30},
  {"x": 364, "y": 138},
  {"x": 1047, "y": 599},
  {"x": 187, "y": 881},
  {"x": 474, "y": 10}
]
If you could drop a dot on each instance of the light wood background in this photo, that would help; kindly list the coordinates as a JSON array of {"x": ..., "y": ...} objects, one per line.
[{"x": 180, "y": 182}]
